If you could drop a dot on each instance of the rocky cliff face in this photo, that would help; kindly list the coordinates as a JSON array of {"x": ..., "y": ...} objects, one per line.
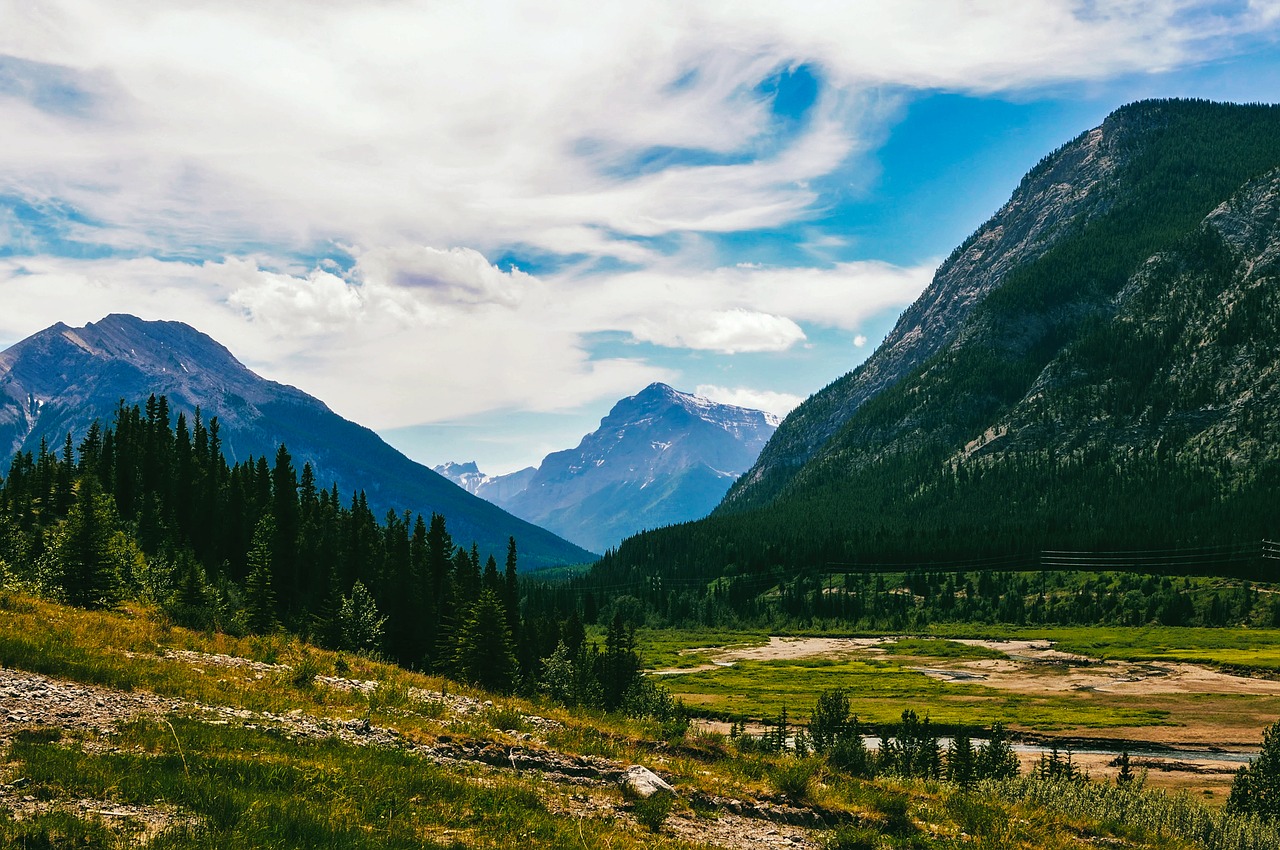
[
  {"x": 60, "y": 380},
  {"x": 660, "y": 457}
]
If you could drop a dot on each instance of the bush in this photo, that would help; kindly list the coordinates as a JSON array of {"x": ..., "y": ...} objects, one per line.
[
  {"x": 793, "y": 778},
  {"x": 652, "y": 811},
  {"x": 303, "y": 672},
  {"x": 851, "y": 838},
  {"x": 1256, "y": 788}
]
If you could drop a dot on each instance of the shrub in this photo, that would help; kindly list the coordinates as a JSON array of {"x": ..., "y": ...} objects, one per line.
[
  {"x": 1256, "y": 788},
  {"x": 793, "y": 778},
  {"x": 851, "y": 838},
  {"x": 652, "y": 811}
]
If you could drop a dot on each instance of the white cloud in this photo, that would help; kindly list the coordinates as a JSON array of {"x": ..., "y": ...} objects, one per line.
[
  {"x": 726, "y": 331},
  {"x": 779, "y": 404},
  {"x": 427, "y": 137},
  {"x": 742, "y": 308},
  {"x": 859, "y": 341},
  {"x": 442, "y": 124}
]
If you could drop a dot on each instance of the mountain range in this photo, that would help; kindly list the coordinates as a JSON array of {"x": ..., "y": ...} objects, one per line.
[
  {"x": 1096, "y": 367},
  {"x": 60, "y": 380},
  {"x": 660, "y": 457}
]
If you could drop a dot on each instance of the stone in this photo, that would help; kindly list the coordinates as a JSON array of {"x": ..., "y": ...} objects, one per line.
[{"x": 643, "y": 782}]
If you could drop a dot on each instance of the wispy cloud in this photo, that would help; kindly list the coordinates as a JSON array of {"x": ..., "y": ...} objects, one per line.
[{"x": 444, "y": 124}]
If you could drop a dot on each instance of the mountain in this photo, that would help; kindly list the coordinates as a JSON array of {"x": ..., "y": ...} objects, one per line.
[
  {"x": 1097, "y": 367},
  {"x": 660, "y": 457},
  {"x": 61, "y": 379},
  {"x": 494, "y": 488}
]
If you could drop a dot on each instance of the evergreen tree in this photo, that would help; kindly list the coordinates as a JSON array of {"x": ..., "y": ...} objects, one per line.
[
  {"x": 1124, "y": 777},
  {"x": 620, "y": 665},
  {"x": 511, "y": 589},
  {"x": 259, "y": 593},
  {"x": 996, "y": 758},
  {"x": 829, "y": 719},
  {"x": 360, "y": 624},
  {"x": 961, "y": 760},
  {"x": 88, "y": 576},
  {"x": 1256, "y": 787},
  {"x": 483, "y": 653}
]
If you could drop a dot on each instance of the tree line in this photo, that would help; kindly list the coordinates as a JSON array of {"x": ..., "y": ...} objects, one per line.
[{"x": 148, "y": 507}]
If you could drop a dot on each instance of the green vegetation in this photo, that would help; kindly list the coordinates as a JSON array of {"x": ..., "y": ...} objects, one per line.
[
  {"x": 878, "y": 688},
  {"x": 231, "y": 785},
  {"x": 938, "y": 648}
]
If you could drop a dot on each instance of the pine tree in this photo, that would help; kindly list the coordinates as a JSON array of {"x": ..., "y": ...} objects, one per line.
[
  {"x": 259, "y": 594},
  {"x": 961, "y": 760},
  {"x": 87, "y": 570},
  {"x": 483, "y": 652},
  {"x": 996, "y": 758},
  {"x": 511, "y": 589},
  {"x": 360, "y": 624},
  {"x": 1256, "y": 787},
  {"x": 1125, "y": 776}
]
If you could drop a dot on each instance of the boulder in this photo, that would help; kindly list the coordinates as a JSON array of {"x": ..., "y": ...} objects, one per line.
[{"x": 644, "y": 783}]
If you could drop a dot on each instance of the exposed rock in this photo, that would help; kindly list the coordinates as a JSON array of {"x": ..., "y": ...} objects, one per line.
[
  {"x": 660, "y": 457},
  {"x": 643, "y": 782}
]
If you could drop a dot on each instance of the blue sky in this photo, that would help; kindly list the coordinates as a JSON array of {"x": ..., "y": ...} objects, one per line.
[{"x": 475, "y": 228}]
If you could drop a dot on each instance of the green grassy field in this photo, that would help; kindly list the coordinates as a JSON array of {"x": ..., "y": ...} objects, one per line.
[
  {"x": 879, "y": 690},
  {"x": 881, "y": 685},
  {"x": 252, "y": 783}
]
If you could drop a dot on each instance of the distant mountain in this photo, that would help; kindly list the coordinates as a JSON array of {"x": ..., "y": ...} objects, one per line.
[
  {"x": 61, "y": 379},
  {"x": 1097, "y": 367},
  {"x": 495, "y": 488},
  {"x": 660, "y": 457}
]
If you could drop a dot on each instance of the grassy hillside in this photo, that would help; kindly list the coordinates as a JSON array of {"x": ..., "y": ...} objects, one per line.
[{"x": 120, "y": 729}]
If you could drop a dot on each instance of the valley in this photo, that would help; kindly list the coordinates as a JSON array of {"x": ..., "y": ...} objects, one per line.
[
  {"x": 1192, "y": 724},
  {"x": 1009, "y": 583}
]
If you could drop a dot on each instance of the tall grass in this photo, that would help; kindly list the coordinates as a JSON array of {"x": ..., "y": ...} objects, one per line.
[{"x": 1135, "y": 814}]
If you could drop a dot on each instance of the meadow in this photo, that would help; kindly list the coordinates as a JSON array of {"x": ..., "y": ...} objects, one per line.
[{"x": 222, "y": 762}]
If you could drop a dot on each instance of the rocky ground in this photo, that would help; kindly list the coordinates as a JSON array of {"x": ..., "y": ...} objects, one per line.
[{"x": 91, "y": 714}]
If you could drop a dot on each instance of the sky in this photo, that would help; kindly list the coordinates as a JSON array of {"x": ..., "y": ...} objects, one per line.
[{"x": 474, "y": 226}]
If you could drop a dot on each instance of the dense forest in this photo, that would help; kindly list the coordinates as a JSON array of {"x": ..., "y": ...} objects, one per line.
[{"x": 148, "y": 508}]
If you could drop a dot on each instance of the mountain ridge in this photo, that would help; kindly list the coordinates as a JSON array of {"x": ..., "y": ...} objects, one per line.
[
  {"x": 1114, "y": 390},
  {"x": 59, "y": 380}
]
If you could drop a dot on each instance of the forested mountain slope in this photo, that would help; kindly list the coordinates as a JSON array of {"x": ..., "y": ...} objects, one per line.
[
  {"x": 61, "y": 379},
  {"x": 1096, "y": 372}
]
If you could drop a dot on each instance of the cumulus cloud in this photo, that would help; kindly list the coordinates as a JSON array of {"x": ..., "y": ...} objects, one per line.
[
  {"x": 859, "y": 341},
  {"x": 428, "y": 138},
  {"x": 779, "y": 404}
]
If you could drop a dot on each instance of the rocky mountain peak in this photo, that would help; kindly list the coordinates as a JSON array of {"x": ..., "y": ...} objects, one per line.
[
  {"x": 660, "y": 456},
  {"x": 1063, "y": 194}
]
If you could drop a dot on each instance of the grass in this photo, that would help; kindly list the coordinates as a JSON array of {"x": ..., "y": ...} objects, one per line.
[
  {"x": 676, "y": 648},
  {"x": 252, "y": 788},
  {"x": 881, "y": 685},
  {"x": 879, "y": 689},
  {"x": 237, "y": 787},
  {"x": 940, "y": 648}
]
